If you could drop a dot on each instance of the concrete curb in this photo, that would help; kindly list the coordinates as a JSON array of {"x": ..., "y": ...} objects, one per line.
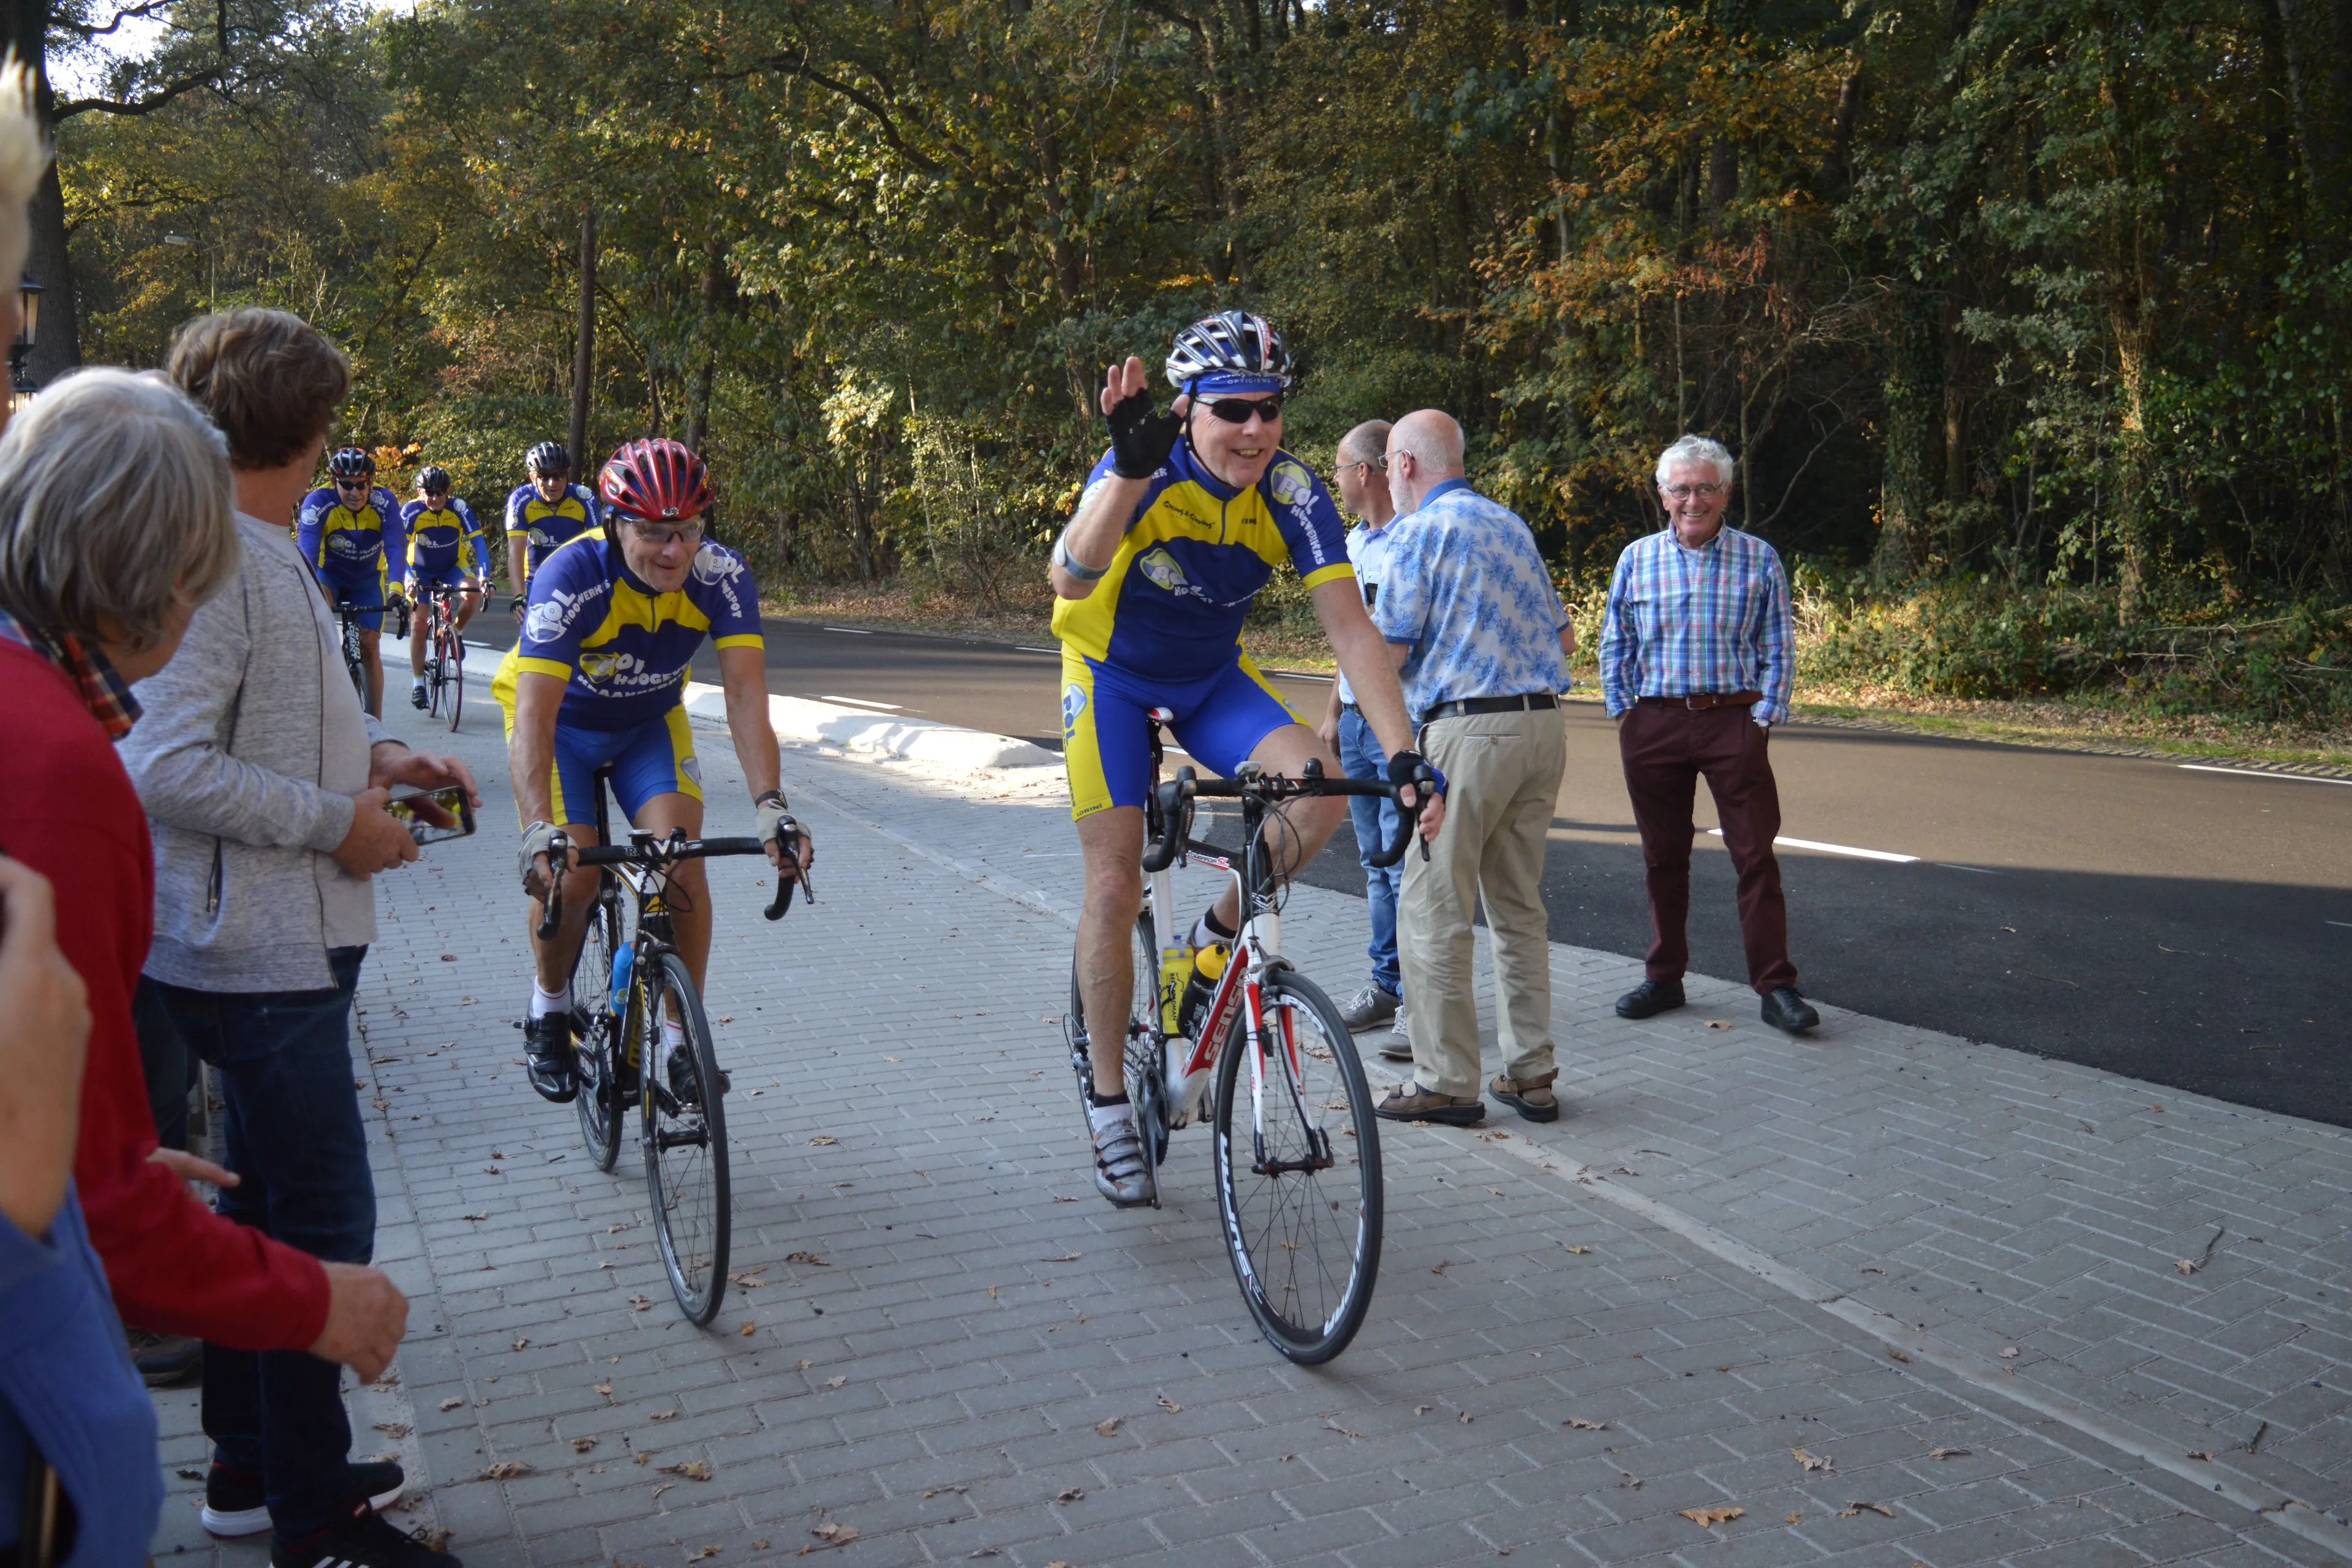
[{"x": 929, "y": 746}]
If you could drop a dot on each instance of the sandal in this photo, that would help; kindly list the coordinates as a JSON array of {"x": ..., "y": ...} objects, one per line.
[
  {"x": 1411, "y": 1102},
  {"x": 1530, "y": 1097}
]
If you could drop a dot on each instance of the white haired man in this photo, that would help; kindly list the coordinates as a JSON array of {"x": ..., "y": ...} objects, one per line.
[{"x": 1697, "y": 651}]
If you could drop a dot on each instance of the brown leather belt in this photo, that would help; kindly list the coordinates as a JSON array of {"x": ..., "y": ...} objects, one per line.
[
  {"x": 1488, "y": 705},
  {"x": 1699, "y": 702}
]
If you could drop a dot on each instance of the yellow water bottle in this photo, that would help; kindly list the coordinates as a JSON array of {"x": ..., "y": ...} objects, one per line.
[{"x": 1175, "y": 968}]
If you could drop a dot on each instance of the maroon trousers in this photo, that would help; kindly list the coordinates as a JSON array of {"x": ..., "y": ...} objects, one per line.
[{"x": 1665, "y": 748}]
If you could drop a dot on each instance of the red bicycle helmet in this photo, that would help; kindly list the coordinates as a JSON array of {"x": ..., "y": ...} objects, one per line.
[{"x": 657, "y": 479}]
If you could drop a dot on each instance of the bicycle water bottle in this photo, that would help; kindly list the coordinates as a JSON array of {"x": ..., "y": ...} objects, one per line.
[
  {"x": 624, "y": 962},
  {"x": 1209, "y": 965},
  {"x": 1175, "y": 968}
]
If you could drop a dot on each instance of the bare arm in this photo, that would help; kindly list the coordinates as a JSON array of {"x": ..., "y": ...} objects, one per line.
[{"x": 743, "y": 673}]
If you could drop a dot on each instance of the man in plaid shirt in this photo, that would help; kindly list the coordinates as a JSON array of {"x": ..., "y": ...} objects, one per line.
[{"x": 1697, "y": 654}]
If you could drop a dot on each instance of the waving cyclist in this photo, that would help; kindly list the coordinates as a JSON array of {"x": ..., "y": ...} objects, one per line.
[
  {"x": 1179, "y": 525},
  {"x": 598, "y": 677},
  {"x": 441, "y": 533},
  {"x": 350, "y": 530},
  {"x": 543, "y": 512}
]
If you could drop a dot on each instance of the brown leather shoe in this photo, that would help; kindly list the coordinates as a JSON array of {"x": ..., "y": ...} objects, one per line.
[
  {"x": 1530, "y": 1097},
  {"x": 1411, "y": 1102}
]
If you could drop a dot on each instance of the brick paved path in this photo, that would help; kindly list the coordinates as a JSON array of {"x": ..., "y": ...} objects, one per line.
[{"x": 1734, "y": 1246}]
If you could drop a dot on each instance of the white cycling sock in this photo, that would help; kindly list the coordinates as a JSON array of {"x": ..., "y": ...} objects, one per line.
[
  {"x": 673, "y": 1034},
  {"x": 543, "y": 1002},
  {"x": 417, "y": 681},
  {"x": 1105, "y": 1117},
  {"x": 1206, "y": 932}
]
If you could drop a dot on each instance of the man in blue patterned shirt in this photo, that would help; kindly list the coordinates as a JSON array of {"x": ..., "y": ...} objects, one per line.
[
  {"x": 1697, "y": 654},
  {"x": 1481, "y": 641}
]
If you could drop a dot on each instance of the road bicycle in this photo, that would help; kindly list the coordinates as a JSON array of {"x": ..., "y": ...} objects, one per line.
[
  {"x": 626, "y": 981},
  {"x": 1295, "y": 1149},
  {"x": 348, "y": 615},
  {"x": 445, "y": 650}
]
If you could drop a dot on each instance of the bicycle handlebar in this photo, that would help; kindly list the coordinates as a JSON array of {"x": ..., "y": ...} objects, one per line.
[
  {"x": 666, "y": 852},
  {"x": 1177, "y": 794}
]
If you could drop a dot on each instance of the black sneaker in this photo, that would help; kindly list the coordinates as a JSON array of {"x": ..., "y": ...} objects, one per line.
[
  {"x": 166, "y": 1360},
  {"x": 417, "y": 699},
  {"x": 234, "y": 1505},
  {"x": 364, "y": 1540},
  {"x": 547, "y": 1053}
]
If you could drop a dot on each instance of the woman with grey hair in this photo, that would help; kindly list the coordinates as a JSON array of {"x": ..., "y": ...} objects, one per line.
[{"x": 115, "y": 525}]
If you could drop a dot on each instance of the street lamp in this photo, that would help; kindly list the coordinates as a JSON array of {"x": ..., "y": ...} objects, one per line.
[{"x": 20, "y": 384}]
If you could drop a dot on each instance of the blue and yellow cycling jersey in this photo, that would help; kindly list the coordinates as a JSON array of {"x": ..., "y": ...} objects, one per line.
[
  {"x": 623, "y": 648},
  {"x": 437, "y": 539},
  {"x": 1170, "y": 604},
  {"x": 549, "y": 525},
  {"x": 348, "y": 546}
]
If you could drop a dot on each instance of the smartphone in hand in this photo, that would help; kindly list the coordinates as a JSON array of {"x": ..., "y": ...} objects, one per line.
[{"x": 433, "y": 814}]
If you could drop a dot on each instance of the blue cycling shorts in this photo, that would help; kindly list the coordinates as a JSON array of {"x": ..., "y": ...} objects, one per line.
[
  {"x": 450, "y": 577},
  {"x": 1106, "y": 740},
  {"x": 655, "y": 757},
  {"x": 365, "y": 594}
]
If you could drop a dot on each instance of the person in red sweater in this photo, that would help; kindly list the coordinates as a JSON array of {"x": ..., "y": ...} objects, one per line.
[{"x": 116, "y": 523}]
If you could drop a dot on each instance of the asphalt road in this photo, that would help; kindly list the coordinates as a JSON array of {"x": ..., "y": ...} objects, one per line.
[{"x": 2187, "y": 927}]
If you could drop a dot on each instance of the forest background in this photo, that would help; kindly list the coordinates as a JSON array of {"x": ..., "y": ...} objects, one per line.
[{"x": 2030, "y": 320}]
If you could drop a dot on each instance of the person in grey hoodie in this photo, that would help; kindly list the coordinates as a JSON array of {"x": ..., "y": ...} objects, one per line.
[{"x": 264, "y": 783}]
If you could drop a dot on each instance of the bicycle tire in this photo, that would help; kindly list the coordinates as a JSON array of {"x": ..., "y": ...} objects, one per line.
[
  {"x": 453, "y": 665},
  {"x": 1147, "y": 1048},
  {"x": 602, "y": 1043},
  {"x": 685, "y": 1135},
  {"x": 1278, "y": 1226}
]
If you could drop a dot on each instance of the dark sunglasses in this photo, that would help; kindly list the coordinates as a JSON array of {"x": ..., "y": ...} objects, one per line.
[
  {"x": 350, "y": 484},
  {"x": 1238, "y": 410}
]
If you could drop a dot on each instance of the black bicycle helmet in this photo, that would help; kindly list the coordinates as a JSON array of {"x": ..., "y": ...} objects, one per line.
[
  {"x": 433, "y": 479},
  {"x": 1231, "y": 342},
  {"x": 547, "y": 457},
  {"x": 352, "y": 463}
]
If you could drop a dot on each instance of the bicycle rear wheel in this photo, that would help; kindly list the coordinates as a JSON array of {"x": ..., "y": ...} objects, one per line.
[
  {"x": 1298, "y": 1181},
  {"x": 601, "y": 1049},
  {"x": 684, "y": 1138}
]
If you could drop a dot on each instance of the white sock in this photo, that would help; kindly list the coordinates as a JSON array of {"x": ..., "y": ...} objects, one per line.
[
  {"x": 417, "y": 681},
  {"x": 1105, "y": 1117},
  {"x": 673, "y": 1034},
  {"x": 545, "y": 1002},
  {"x": 1206, "y": 935}
]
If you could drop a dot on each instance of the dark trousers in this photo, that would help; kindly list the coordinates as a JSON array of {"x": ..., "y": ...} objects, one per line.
[
  {"x": 1665, "y": 751},
  {"x": 291, "y": 1121}
]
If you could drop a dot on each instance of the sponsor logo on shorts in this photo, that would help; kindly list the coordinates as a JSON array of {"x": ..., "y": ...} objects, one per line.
[
  {"x": 1074, "y": 703},
  {"x": 690, "y": 770}
]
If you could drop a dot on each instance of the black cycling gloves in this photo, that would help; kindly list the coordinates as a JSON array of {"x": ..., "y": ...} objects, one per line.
[
  {"x": 1412, "y": 768},
  {"x": 1140, "y": 437}
]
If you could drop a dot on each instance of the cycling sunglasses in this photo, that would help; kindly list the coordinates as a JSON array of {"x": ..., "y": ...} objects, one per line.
[
  {"x": 660, "y": 534},
  {"x": 1238, "y": 410}
]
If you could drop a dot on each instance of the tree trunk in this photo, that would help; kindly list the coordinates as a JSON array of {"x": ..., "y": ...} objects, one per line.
[
  {"x": 698, "y": 397},
  {"x": 1912, "y": 393},
  {"x": 57, "y": 349},
  {"x": 584, "y": 362}
]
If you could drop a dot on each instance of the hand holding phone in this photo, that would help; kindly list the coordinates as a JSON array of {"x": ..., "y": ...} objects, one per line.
[{"x": 433, "y": 814}]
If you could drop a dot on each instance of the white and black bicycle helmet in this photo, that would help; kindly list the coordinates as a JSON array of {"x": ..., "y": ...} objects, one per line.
[
  {"x": 547, "y": 457},
  {"x": 1233, "y": 348}
]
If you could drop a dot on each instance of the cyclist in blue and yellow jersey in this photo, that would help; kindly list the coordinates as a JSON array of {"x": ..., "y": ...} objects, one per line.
[
  {"x": 1179, "y": 525},
  {"x": 348, "y": 529},
  {"x": 598, "y": 679},
  {"x": 545, "y": 511},
  {"x": 442, "y": 536}
]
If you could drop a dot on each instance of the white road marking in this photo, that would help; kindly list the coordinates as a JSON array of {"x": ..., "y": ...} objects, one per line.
[
  {"x": 2259, "y": 773},
  {"x": 857, "y": 702},
  {"x": 1980, "y": 870},
  {"x": 1297, "y": 675},
  {"x": 2345, "y": 924},
  {"x": 1025, "y": 647},
  {"x": 1836, "y": 849},
  {"x": 853, "y": 631}
]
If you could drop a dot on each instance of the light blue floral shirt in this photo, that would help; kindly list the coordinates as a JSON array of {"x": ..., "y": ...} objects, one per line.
[
  {"x": 1368, "y": 552},
  {"x": 1466, "y": 590}
]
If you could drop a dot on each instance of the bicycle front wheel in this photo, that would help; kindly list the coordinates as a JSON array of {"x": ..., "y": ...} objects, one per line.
[
  {"x": 600, "y": 1051},
  {"x": 452, "y": 668},
  {"x": 684, "y": 1136},
  {"x": 1298, "y": 1178}
]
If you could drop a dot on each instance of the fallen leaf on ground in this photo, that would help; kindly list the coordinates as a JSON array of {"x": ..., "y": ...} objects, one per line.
[
  {"x": 1898, "y": 1354},
  {"x": 582, "y": 1445},
  {"x": 758, "y": 1546},
  {"x": 746, "y": 1281},
  {"x": 1466, "y": 1418},
  {"x": 393, "y": 1428},
  {"x": 1331, "y": 1425},
  {"x": 1708, "y": 1518},
  {"x": 1107, "y": 1428},
  {"x": 1170, "y": 1406},
  {"x": 822, "y": 1138},
  {"x": 1794, "y": 1518},
  {"x": 2009, "y": 1354},
  {"x": 1580, "y": 1249},
  {"x": 437, "y": 1539},
  {"x": 2200, "y": 1454},
  {"x": 835, "y": 1381},
  {"x": 604, "y": 1388},
  {"x": 520, "y": 1341},
  {"x": 802, "y": 1364},
  {"x": 750, "y": 1328},
  {"x": 1809, "y": 1461},
  {"x": 1581, "y": 1425},
  {"x": 1854, "y": 1508},
  {"x": 1947, "y": 1453},
  {"x": 451, "y": 1402},
  {"x": 693, "y": 1470},
  {"x": 665, "y": 1414},
  {"x": 1626, "y": 1171},
  {"x": 810, "y": 1259},
  {"x": 1065, "y": 1258},
  {"x": 473, "y": 1216},
  {"x": 1496, "y": 1191},
  {"x": 1442, "y": 1267},
  {"x": 699, "y": 1553},
  {"x": 505, "y": 1471},
  {"x": 1718, "y": 1023},
  {"x": 1071, "y": 1494}
]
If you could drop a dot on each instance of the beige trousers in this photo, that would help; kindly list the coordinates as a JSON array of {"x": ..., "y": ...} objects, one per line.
[{"x": 1502, "y": 772}]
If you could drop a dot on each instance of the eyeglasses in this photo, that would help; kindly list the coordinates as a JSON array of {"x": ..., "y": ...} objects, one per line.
[
  {"x": 350, "y": 484},
  {"x": 1694, "y": 492},
  {"x": 1380, "y": 463},
  {"x": 1238, "y": 410},
  {"x": 660, "y": 534}
]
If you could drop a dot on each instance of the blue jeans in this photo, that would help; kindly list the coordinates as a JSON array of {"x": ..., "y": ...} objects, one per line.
[
  {"x": 1376, "y": 821},
  {"x": 292, "y": 1121}
]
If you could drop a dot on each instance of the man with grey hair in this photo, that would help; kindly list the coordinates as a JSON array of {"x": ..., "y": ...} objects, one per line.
[
  {"x": 1360, "y": 474},
  {"x": 1481, "y": 641},
  {"x": 1697, "y": 650}
]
